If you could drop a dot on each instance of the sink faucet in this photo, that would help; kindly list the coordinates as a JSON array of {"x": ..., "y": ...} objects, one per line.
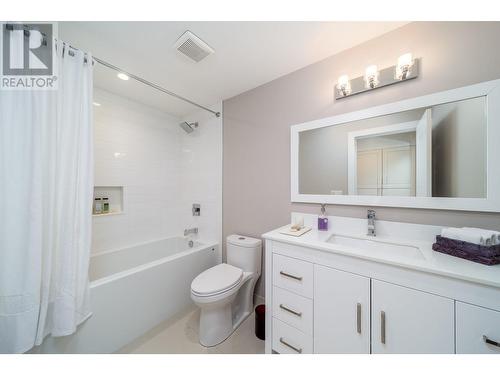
[
  {"x": 190, "y": 230},
  {"x": 371, "y": 223}
]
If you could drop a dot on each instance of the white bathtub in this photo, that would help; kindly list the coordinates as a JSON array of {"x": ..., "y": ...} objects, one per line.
[{"x": 134, "y": 289}]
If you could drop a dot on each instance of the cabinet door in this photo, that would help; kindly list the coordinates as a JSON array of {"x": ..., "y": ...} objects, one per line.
[
  {"x": 341, "y": 312},
  {"x": 477, "y": 329},
  {"x": 410, "y": 321}
]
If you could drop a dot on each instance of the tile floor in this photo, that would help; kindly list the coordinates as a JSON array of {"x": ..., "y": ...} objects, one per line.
[{"x": 179, "y": 335}]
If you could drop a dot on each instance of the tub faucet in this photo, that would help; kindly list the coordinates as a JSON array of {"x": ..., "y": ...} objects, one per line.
[
  {"x": 371, "y": 223},
  {"x": 190, "y": 230}
]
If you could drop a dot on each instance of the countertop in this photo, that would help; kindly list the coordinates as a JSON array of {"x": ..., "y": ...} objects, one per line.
[{"x": 430, "y": 261}]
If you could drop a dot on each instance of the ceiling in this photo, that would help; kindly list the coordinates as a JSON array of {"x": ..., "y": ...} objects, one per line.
[{"x": 247, "y": 55}]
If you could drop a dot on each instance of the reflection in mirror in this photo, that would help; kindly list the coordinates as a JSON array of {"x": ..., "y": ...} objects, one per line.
[
  {"x": 385, "y": 164},
  {"x": 438, "y": 151}
]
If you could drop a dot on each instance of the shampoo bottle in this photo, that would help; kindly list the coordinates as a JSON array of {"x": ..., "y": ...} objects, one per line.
[{"x": 323, "y": 219}]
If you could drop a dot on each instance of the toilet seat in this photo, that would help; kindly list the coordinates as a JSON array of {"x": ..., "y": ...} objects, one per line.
[{"x": 216, "y": 280}]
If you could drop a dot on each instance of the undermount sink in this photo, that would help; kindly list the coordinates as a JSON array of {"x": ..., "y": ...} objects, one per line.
[{"x": 377, "y": 247}]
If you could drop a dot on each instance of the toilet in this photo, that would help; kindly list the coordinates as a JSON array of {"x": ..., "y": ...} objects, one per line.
[{"x": 224, "y": 293}]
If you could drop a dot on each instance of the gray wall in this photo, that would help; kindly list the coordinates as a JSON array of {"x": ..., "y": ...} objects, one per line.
[{"x": 256, "y": 181}]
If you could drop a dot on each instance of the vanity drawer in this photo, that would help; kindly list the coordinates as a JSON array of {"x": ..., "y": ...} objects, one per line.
[
  {"x": 289, "y": 340},
  {"x": 293, "y": 275},
  {"x": 293, "y": 309},
  {"x": 475, "y": 325}
]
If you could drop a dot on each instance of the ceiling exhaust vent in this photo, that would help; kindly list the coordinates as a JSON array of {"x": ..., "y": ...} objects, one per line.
[{"x": 193, "y": 47}]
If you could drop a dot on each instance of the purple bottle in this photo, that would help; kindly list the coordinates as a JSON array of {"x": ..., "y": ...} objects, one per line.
[{"x": 323, "y": 219}]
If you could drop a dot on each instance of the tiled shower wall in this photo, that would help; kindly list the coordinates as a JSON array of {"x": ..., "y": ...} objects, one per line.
[
  {"x": 162, "y": 170},
  {"x": 201, "y": 176}
]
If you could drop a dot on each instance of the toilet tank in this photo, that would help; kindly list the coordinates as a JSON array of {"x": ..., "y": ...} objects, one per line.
[{"x": 244, "y": 252}]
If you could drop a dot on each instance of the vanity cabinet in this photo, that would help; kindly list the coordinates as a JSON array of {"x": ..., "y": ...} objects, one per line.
[
  {"x": 319, "y": 301},
  {"x": 341, "y": 312},
  {"x": 405, "y": 320}
]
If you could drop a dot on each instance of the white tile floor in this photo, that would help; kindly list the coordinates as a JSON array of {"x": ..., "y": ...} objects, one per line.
[{"x": 179, "y": 335}]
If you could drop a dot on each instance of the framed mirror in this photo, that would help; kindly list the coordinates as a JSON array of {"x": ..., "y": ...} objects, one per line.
[{"x": 438, "y": 151}]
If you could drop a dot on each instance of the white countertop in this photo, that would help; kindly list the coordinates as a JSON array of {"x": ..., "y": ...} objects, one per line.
[{"x": 430, "y": 261}]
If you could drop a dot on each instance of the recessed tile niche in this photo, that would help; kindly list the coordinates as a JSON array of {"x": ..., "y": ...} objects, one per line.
[{"x": 115, "y": 197}]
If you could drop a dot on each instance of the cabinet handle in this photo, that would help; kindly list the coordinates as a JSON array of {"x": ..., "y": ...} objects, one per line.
[
  {"x": 358, "y": 317},
  {"x": 382, "y": 327},
  {"x": 491, "y": 342},
  {"x": 290, "y": 310},
  {"x": 291, "y": 276},
  {"x": 298, "y": 350}
]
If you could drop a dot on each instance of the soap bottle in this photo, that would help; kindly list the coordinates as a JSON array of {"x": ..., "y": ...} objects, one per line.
[
  {"x": 105, "y": 205},
  {"x": 97, "y": 206},
  {"x": 323, "y": 219}
]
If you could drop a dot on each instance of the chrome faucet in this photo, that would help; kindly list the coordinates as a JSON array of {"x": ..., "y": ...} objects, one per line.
[
  {"x": 190, "y": 230},
  {"x": 371, "y": 223}
]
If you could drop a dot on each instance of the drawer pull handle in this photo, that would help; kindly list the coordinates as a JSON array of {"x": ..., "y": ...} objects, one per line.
[
  {"x": 358, "y": 317},
  {"x": 290, "y": 310},
  {"x": 298, "y": 350},
  {"x": 299, "y": 278},
  {"x": 491, "y": 342},
  {"x": 382, "y": 327}
]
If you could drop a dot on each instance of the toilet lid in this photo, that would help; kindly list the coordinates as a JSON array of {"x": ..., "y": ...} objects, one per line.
[{"x": 217, "y": 279}]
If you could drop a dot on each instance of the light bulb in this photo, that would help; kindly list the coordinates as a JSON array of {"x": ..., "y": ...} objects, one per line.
[
  {"x": 403, "y": 69},
  {"x": 371, "y": 77},
  {"x": 406, "y": 59},
  {"x": 343, "y": 85}
]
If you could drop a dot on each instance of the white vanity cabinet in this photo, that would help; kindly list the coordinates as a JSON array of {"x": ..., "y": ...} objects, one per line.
[
  {"x": 405, "y": 320},
  {"x": 323, "y": 301},
  {"x": 341, "y": 312}
]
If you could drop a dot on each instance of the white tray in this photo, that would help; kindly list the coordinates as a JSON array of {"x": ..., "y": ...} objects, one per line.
[{"x": 286, "y": 230}]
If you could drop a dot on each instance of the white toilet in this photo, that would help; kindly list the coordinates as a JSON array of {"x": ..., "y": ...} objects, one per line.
[{"x": 225, "y": 292}]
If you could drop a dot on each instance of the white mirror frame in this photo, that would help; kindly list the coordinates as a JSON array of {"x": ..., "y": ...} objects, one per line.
[{"x": 490, "y": 90}]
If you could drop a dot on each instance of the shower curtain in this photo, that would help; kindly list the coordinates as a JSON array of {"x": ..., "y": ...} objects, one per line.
[{"x": 46, "y": 192}]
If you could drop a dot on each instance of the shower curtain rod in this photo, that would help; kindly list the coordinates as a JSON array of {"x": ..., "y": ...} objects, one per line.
[
  {"x": 27, "y": 30},
  {"x": 153, "y": 85}
]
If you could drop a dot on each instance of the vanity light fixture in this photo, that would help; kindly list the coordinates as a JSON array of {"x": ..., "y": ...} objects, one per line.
[
  {"x": 123, "y": 76},
  {"x": 403, "y": 69},
  {"x": 344, "y": 85},
  {"x": 406, "y": 69},
  {"x": 371, "y": 77}
]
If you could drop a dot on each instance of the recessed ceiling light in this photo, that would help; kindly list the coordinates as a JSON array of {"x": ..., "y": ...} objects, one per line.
[
  {"x": 123, "y": 76},
  {"x": 96, "y": 104}
]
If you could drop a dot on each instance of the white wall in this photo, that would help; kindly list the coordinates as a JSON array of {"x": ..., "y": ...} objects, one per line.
[{"x": 163, "y": 171}]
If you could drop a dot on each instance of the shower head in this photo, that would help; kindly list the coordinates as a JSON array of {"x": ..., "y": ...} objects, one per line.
[{"x": 188, "y": 127}]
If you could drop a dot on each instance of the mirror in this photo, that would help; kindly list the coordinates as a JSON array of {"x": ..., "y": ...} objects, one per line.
[
  {"x": 438, "y": 151},
  {"x": 432, "y": 151}
]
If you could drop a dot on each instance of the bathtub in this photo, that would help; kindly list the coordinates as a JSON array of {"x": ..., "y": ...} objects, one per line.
[{"x": 134, "y": 289}]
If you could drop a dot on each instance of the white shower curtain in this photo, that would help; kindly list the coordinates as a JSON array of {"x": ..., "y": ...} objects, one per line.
[{"x": 46, "y": 189}]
